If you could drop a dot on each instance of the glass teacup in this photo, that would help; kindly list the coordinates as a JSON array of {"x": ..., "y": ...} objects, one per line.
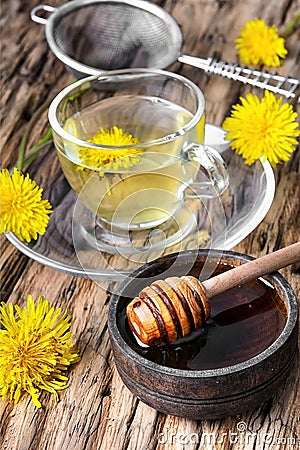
[{"x": 130, "y": 143}]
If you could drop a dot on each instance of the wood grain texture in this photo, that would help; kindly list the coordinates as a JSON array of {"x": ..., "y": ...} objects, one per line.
[{"x": 97, "y": 411}]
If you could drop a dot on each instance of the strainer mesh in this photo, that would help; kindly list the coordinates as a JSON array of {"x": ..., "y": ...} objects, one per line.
[{"x": 112, "y": 36}]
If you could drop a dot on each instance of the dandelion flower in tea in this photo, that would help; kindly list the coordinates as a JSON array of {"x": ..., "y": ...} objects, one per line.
[{"x": 114, "y": 158}]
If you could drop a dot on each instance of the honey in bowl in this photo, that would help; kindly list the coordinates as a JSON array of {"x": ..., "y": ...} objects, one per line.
[{"x": 244, "y": 321}]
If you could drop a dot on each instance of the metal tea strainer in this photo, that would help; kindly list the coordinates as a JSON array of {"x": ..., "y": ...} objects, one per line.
[{"x": 93, "y": 36}]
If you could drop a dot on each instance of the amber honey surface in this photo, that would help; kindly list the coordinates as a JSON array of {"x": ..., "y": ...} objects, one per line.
[{"x": 244, "y": 322}]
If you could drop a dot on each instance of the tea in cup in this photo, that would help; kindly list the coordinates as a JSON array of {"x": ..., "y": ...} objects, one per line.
[{"x": 130, "y": 143}]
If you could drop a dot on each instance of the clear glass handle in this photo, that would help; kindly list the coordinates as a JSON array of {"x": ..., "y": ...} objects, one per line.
[{"x": 212, "y": 178}]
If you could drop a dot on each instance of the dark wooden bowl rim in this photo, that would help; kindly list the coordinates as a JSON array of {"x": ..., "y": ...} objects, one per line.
[{"x": 276, "y": 279}]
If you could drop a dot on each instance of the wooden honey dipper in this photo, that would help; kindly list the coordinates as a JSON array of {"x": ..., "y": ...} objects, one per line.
[{"x": 175, "y": 307}]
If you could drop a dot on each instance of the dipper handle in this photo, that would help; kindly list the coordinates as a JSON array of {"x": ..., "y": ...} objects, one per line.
[
  {"x": 175, "y": 307},
  {"x": 252, "y": 270}
]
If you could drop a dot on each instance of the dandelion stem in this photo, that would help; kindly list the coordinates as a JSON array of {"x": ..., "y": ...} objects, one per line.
[
  {"x": 290, "y": 27},
  {"x": 35, "y": 151},
  {"x": 36, "y": 116}
]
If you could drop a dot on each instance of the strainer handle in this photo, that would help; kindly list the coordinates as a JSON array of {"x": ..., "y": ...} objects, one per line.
[
  {"x": 36, "y": 18},
  {"x": 288, "y": 87}
]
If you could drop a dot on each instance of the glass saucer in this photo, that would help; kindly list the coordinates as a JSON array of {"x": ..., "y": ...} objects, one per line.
[{"x": 69, "y": 245}]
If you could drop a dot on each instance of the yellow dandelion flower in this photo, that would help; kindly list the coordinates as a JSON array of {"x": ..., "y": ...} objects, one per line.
[
  {"x": 34, "y": 350},
  {"x": 111, "y": 159},
  {"x": 22, "y": 211},
  {"x": 262, "y": 128},
  {"x": 260, "y": 44}
]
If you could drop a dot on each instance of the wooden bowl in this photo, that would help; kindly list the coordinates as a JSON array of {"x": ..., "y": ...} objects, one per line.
[{"x": 235, "y": 363}]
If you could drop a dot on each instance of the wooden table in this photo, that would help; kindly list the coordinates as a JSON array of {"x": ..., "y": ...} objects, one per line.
[{"x": 97, "y": 411}]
